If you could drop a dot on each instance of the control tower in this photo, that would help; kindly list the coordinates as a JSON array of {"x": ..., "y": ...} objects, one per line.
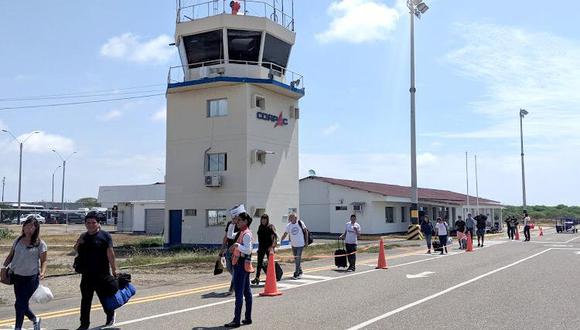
[{"x": 232, "y": 118}]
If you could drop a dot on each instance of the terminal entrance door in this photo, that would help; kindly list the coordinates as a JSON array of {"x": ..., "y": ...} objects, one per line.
[{"x": 175, "y": 218}]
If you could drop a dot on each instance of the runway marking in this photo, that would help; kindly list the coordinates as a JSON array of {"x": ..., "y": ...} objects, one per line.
[
  {"x": 420, "y": 275},
  {"x": 418, "y": 302},
  {"x": 313, "y": 277},
  {"x": 570, "y": 240}
]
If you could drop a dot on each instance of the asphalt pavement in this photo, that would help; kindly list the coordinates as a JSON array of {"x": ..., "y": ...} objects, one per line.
[{"x": 505, "y": 285}]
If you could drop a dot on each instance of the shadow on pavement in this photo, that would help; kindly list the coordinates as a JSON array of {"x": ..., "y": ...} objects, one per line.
[
  {"x": 216, "y": 295},
  {"x": 207, "y": 328}
]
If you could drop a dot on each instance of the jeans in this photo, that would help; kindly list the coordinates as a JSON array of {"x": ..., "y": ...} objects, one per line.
[
  {"x": 443, "y": 241},
  {"x": 351, "y": 257},
  {"x": 261, "y": 254},
  {"x": 428, "y": 240},
  {"x": 297, "y": 252},
  {"x": 242, "y": 287},
  {"x": 527, "y": 232},
  {"x": 90, "y": 284},
  {"x": 229, "y": 267},
  {"x": 24, "y": 287},
  {"x": 511, "y": 232}
]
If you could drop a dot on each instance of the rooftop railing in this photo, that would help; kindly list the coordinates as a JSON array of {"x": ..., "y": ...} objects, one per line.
[
  {"x": 275, "y": 10},
  {"x": 245, "y": 69}
]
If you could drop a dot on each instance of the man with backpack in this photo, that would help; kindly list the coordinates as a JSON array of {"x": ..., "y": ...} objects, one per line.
[
  {"x": 299, "y": 239},
  {"x": 350, "y": 236},
  {"x": 481, "y": 226}
]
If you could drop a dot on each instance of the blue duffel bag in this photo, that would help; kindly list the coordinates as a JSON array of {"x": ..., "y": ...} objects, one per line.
[{"x": 120, "y": 298}]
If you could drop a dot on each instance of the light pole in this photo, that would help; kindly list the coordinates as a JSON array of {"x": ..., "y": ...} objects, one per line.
[
  {"x": 523, "y": 112},
  {"x": 21, "y": 144},
  {"x": 3, "y": 184},
  {"x": 63, "y": 174},
  {"x": 56, "y": 169},
  {"x": 416, "y": 8}
]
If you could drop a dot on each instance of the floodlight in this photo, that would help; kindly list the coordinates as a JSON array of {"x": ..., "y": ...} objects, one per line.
[
  {"x": 523, "y": 112},
  {"x": 422, "y": 7}
]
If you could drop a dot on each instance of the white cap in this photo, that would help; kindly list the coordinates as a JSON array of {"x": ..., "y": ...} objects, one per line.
[{"x": 236, "y": 210}]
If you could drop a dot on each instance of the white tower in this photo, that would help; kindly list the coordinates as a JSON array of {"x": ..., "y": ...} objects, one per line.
[{"x": 232, "y": 118}]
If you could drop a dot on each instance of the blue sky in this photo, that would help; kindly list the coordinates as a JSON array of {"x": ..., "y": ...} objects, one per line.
[{"x": 478, "y": 63}]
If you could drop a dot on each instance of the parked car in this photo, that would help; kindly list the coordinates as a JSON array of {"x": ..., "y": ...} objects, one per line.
[
  {"x": 77, "y": 218},
  {"x": 38, "y": 217}
]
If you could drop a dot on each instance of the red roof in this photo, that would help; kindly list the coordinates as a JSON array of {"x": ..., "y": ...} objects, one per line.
[{"x": 425, "y": 194}]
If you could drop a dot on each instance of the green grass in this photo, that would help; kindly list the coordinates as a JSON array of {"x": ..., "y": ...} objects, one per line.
[
  {"x": 146, "y": 242},
  {"x": 176, "y": 258},
  {"x": 6, "y": 233}
]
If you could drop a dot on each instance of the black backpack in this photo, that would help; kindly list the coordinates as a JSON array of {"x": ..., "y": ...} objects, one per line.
[{"x": 307, "y": 235}]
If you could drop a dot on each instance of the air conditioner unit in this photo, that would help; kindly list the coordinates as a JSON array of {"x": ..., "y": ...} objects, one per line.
[{"x": 213, "y": 181}]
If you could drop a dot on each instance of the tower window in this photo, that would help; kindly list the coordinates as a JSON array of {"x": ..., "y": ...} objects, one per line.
[
  {"x": 244, "y": 46},
  {"x": 217, "y": 108},
  {"x": 217, "y": 162},
  {"x": 204, "y": 48},
  {"x": 277, "y": 52}
]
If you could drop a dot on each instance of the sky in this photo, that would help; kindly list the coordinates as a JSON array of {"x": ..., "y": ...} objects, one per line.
[{"x": 477, "y": 63}]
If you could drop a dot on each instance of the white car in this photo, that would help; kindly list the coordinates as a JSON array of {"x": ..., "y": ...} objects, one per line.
[{"x": 38, "y": 217}]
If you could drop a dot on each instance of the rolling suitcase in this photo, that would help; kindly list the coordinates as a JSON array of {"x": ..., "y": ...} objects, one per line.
[
  {"x": 340, "y": 255},
  {"x": 279, "y": 271}
]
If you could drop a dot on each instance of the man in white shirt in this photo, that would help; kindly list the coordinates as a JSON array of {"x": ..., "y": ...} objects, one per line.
[
  {"x": 527, "y": 222},
  {"x": 296, "y": 229},
  {"x": 351, "y": 235}
]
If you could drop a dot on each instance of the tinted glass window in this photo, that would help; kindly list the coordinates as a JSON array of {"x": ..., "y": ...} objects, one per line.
[
  {"x": 276, "y": 51},
  {"x": 204, "y": 47},
  {"x": 244, "y": 45}
]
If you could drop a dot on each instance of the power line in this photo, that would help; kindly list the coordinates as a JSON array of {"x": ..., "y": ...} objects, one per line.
[
  {"x": 81, "y": 102},
  {"x": 81, "y": 93},
  {"x": 36, "y": 98}
]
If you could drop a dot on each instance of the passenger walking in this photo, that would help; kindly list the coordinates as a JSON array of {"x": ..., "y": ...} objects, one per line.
[
  {"x": 242, "y": 261},
  {"x": 481, "y": 226},
  {"x": 461, "y": 236},
  {"x": 297, "y": 231},
  {"x": 427, "y": 230},
  {"x": 97, "y": 262},
  {"x": 229, "y": 239},
  {"x": 442, "y": 232},
  {"x": 351, "y": 235},
  {"x": 27, "y": 260},
  {"x": 527, "y": 223},
  {"x": 511, "y": 226},
  {"x": 267, "y": 240},
  {"x": 470, "y": 225}
]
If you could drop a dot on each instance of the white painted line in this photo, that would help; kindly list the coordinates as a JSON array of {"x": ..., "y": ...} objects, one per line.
[
  {"x": 285, "y": 286},
  {"x": 400, "y": 309},
  {"x": 316, "y": 277},
  {"x": 420, "y": 275},
  {"x": 568, "y": 241},
  {"x": 301, "y": 281}
]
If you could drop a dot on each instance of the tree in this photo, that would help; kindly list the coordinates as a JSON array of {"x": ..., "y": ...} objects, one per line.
[{"x": 88, "y": 202}]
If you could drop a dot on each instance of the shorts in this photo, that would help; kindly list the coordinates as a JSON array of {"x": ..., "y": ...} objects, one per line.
[{"x": 480, "y": 232}]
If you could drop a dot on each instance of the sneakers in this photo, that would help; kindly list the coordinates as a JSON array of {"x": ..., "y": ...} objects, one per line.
[
  {"x": 110, "y": 320},
  {"x": 247, "y": 322},
  {"x": 256, "y": 281},
  {"x": 36, "y": 324}
]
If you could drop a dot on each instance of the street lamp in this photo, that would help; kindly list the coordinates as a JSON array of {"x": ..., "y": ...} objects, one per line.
[
  {"x": 21, "y": 144},
  {"x": 63, "y": 174},
  {"x": 416, "y": 8},
  {"x": 523, "y": 112},
  {"x": 54, "y": 172}
]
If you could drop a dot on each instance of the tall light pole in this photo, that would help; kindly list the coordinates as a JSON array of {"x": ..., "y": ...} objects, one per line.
[
  {"x": 56, "y": 169},
  {"x": 3, "y": 184},
  {"x": 416, "y": 8},
  {"x": 63, "y": 174},
  {"x": 523, "y": 112},
  {"x": 21, "y": 144}
]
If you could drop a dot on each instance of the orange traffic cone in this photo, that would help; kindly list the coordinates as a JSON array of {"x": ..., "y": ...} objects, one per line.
[
  {"x": 382, "y": 262},
  {"x": 541, "y": 232},
  {"x": 517, "y": 233},
  {"x": 271, "y": 288},
  {"x": 469, "y": 244}
]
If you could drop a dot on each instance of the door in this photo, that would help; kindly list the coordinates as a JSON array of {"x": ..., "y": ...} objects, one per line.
[
  {"x": 154, "y": 220},
  {"x": 175, "y": 217}
]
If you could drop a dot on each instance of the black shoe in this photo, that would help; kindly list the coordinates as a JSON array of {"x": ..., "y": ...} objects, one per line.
[
  {"x": 247, "y": 322},
  {"x": 83, "y": 327},
  {"x": 110, "y": 320},
  {"x": 232, "y": 325},
  {"x": 256, "y": 281}
]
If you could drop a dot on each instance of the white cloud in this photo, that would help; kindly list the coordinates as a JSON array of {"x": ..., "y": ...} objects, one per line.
[
  {"x": 43, "y": 143},
  {"x": 111, "y": 115},
  {"x": 330, "y": 129},
  {"x": 519, "y": 69},
  {"x": 359, "y": 21},
  {"x": 160, "y": 116},
  {"x": 132, "y": 48}
]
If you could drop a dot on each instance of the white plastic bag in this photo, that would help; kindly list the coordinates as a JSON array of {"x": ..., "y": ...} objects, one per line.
[{"x": 42, "y": 295}]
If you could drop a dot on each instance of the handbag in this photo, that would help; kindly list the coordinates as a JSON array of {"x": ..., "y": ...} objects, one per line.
[
  {"x": 6, "y": 276},
  {"x": 307, "y": 235},
  {"x": 248, "y": 267},
  {"x": 219, "y": 267}
]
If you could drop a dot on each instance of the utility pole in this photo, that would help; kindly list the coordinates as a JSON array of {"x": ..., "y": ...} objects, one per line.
[{"x": 3, "y": 184}]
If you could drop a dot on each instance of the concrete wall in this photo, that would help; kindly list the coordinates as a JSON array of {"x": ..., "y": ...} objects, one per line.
[
  {"x": 111, "y": 195},
  {"x": 272, "y": 186},
  {"x": 133, "y": 215}
]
